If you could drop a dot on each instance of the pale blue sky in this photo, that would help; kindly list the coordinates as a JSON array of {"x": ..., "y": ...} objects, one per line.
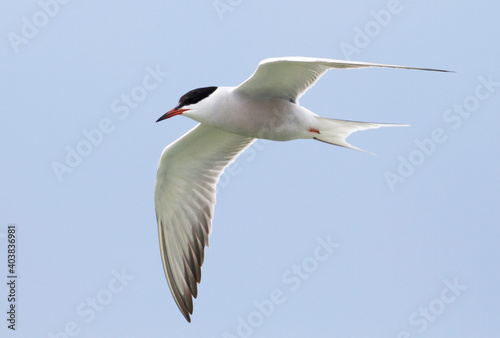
[{"x": 414, "y": 231}]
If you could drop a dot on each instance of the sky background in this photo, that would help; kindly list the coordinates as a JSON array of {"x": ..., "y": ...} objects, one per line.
[{"x": 415, "y": 229}]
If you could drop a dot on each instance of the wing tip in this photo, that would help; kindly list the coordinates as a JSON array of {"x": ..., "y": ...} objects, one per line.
[
  {"x": 360, "y": 63},
  {"x": 434, "y": 70},
  {"x": 187, "y": 316}
]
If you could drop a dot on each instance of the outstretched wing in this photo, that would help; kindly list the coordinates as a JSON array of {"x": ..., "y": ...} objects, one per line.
[
  {"x": 184, "y": 198},
  {"x": 290, "y": 77}
]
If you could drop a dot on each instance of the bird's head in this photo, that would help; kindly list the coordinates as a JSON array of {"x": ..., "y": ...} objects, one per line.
[{"x": 189, "y": 102}]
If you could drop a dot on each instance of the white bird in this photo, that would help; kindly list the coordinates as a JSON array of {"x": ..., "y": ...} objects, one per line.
[{"x": 231, "y": 118}]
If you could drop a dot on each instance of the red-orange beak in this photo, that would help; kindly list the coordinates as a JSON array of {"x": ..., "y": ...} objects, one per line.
[{"x": 171, "y": 113}]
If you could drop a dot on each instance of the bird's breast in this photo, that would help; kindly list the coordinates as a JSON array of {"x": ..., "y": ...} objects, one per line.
[{"x": 267, "y": 118}]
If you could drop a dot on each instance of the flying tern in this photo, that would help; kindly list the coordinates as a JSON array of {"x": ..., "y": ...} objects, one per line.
[{"x": 230, "y": 119}]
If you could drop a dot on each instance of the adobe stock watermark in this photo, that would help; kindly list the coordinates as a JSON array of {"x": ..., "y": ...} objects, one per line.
[
  {"x": 88, "y": 310},
  {"x": 364, "y": 36},
  {"x": 121, "y": 107},
  {"x": 222, "y": 7},
  {"x": 31, "y": 26},
  {"x": 453, "y": 117},
  {"x": 425, "y": 315},
  {"x": 291, "y": 279},
  {"x": 12, "y": 275},
  {"x": 237, "y": 167}
]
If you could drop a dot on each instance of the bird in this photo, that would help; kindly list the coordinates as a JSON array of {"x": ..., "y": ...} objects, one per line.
[{"x": 264, "y": 106}]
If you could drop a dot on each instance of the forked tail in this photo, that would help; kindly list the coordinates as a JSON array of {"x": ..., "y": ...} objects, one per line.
[{"x": 336, "y": 132}]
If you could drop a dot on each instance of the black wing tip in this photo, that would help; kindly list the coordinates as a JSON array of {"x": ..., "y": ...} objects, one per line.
[
  {"x": 439, "y": 70},
  {"x": 187, "y": 313},
  {"x": 428, "y": 69}
]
